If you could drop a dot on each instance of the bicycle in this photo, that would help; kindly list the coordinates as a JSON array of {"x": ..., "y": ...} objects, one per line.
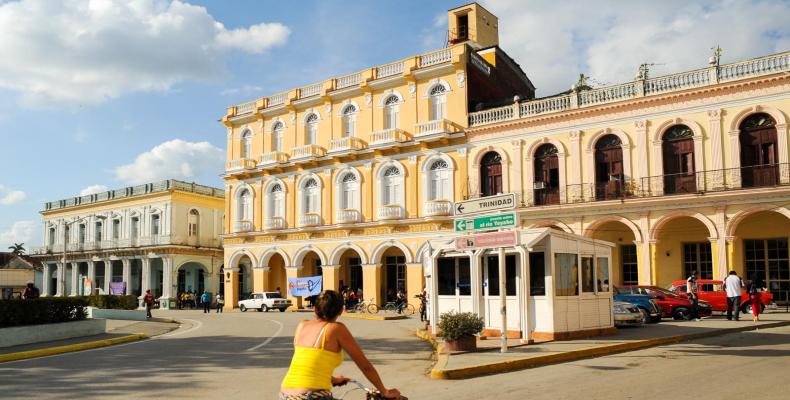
[
  {"x": 370, "y": 394},
  {"x": 405, "y": 308},
  {"x": 369, "y": 307}
]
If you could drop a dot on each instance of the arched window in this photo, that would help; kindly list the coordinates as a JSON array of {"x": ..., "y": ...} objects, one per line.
[
  {"x": 609, "y": 175},
  {"x": 437, "y": 100},
  {"x": 439, "y": 175},
  {"x": 311, "y": 129},
  {"x": 348, "y": 120},
  {"x": 311, "y": 196},
  {"x": 391, "y": 112},
  {"x": 193, "y": 223},
  {"x": 392, "y": 186},
  {"x": 246, "y": 144},
  {"x": 349, "y": 192},
  {"x": 491, "y": 174},
  {"x": 277, "y": 136},
  {"x": 244, "y": 208},
  {"x": 276, "y": 206},
  {"x": 547, "y": 175},
  {"x": 759, "y": 151},
  {"x": 678, "y": 153}
]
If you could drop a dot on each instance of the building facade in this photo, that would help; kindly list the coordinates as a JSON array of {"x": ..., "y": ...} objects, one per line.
[
  {"x": 163, "y": 236},
  {"x": 16, "y": 271}
]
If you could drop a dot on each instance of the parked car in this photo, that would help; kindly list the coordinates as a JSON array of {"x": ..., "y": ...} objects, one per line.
[
  {"x": 647, "y": 306},
  {"x": 264, "y": 301},
  {"x": 712, "y": 291},
  {"x": 672, "y": 305},
  {"x": 627, "y": 314}
]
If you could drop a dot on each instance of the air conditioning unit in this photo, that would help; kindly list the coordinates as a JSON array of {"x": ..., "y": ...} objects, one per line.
[{"x": 539, "y": 185}]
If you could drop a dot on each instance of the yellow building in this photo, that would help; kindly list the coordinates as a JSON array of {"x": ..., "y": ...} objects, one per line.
[
  {"x": 348, "y": 177},
  {"x": 163, "y": 236}
]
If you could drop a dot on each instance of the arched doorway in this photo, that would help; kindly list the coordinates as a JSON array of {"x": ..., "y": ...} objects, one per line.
[
  {"x": 678, "y": 159},
  {"x": 682, "y": 246},
  {"x": 393, "y": 273},
  {"x": 625, "y": 267},
  {"x": 350, "y": 275},
  {"x": 762, "y": 254},
  {"x": 277, "y": 277},
  {"x": 491, "y": 174},
  {"x": 244, "y": 282},
  {"x": 547, "y": 175},
  {"x": 759, "y": 151},
  {"x": 609, "y": 176},
  {"x": 193, "y": 277}
]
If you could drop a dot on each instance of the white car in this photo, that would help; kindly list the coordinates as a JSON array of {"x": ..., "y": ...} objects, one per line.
[{"x": 264, "y": 301}]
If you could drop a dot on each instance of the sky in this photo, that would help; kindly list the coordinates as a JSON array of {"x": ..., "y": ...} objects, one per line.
[{"x": 98, "y": 94}]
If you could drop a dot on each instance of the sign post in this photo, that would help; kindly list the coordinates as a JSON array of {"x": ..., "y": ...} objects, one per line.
[
  {"x": 502, "y": 299},
  {"x": 486, "y": 204}
]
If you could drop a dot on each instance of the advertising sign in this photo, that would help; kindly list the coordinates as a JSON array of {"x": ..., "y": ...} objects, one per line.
[
  {"x": 486, "y": 241},
  {"x": 118, "y": 288},
  {"x": 488, "y": 222},
  {"x": 305, "y": 286},
  {"x": 486, "y": 204}
]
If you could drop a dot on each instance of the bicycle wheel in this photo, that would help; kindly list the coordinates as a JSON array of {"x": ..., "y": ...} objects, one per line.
[
  {"x": 373, "y": 309},
  {"x": 389, "y": 307},
  {"x": 409, "y": 309}
]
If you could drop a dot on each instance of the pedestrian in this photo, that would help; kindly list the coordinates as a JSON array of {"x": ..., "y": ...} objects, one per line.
[
  {"x": 278, "y": 291},
  {"x": 318, "y": 350},
  {"x": 400, "y": 300},
  {"x": 148, "y": 299},
  {"x": 220, "y": 303},
  {"x": 692, "y": 289},
  {"x": 423, "y": 296},
  {"x": 31, "y": 291},
  {"x": 733, "y": 285},
  {"x": 753, "y": 290},
  {"x": 206, "y": 300}
]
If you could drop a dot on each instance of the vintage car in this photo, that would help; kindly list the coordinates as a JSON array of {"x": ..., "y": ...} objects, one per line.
[
  {"x": 712, "y": 291},
  {"x": 264, "y": 301},
  {"x": 672, "y": 305}
]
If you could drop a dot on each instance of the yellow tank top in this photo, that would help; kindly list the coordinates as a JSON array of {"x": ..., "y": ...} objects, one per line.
[{"x": 312, "y": 367}]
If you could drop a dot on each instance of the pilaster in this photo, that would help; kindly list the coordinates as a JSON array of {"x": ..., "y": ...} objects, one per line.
[
  {"x": 415, "y": 281},
  {"x": 74, "y": 278},
  {"x": 331, "y": 277},
  {"x": 61, "y": 288},
  {"x": 518, "y": 183},
  {"x": 107, "y": 275},
  {"x": 127, "y": 274},
  {"x": 371, "y": 282},
  {"x": 146, "y": 275},
  {"x": 714, "y": 133},
  {"x": 575, "y": 152},
  {"x": 642, "y": 140}
]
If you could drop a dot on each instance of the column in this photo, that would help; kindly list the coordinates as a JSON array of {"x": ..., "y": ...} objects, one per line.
[
  {"x": 290, "y": 272},
  {"x": 127, "y": 274},
  {"x": 230, "y": 280},
  {"x": 107, "y": 275},
  {"x": 75, "y": 269},
  {"x": 731, "y": 244},
  {"x": 92, "y": 275},
  {"x": 371, "y": 280},
  {"x": 644, "y": 258},
  {"x": 642, "y": 148},
  {"x": 518, "y": 182},
  {"x": 575, "y": 152},
  {"x": 167, "y": 281},
  {"x": 146, "y": 281},
  {"x": 719, "y": 244},
  {"x": 61, "y": 289},
  {"x": 331, "y": 277},
  {"x": 781, "y": 143},
  {"x": 46, "y": 280},
  {"x": 652, "y": 246},
  {"x": 415, "y": 281},
  {"x": 529, "y": 181}
]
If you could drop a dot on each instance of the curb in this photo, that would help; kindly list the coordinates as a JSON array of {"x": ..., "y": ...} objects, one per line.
[
  {"x": 23, "y": 355},
  {"x": 374, "y": 316},
  {"x": 518, "y": 364}
]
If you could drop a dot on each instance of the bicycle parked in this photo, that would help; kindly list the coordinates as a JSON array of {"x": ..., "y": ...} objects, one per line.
[
  {"x": 400, "y": 308},
  {"x": 362, "y": 306}
]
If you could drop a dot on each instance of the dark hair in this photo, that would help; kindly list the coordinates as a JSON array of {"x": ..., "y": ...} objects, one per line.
[
  {"x": 328, "y": 305},
  {"x": 733, "y": 273}
]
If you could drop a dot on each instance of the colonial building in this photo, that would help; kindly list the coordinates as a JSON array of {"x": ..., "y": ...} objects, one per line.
[
  {"x": 16, "y": 271},
  {"x": 348, "y": 177},
  {"x": 163, "y": 236}
]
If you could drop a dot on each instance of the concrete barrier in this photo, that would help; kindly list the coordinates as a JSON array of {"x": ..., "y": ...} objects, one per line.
[
  {"x": 19, "y": 335},
  {"x": 129, "y": 315}
]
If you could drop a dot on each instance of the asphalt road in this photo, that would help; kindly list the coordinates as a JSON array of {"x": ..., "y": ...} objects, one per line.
[{"x": 245, "y": 355}]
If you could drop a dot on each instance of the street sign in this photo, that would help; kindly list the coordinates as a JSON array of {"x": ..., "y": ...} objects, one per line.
[
  {"x": 486, "y": 241},
  {"x": 486, "y": 204},
  {"x": 488, "y": 222}
]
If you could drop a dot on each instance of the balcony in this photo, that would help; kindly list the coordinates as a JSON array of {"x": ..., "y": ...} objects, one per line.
[
  {"x": 388, "y": 70},
  {"x": 307, "y": 153},
  {"x": 390, "y": 212},
  {"x": 434, "y": 130},
  {"x": 154, "y": 240},
  {"x": 243, "y": 226},
  {"x": 346, "y": 145},
  {"x": 308, "y": 220},
  {"x": 272, "y": 159},
  {"x": 273, "y": 223},
  {"x": 347, "y": 216},
  {"x": 388, "y": 137},
  {"x": 700, "y": 182},
  {"x": 437, "y": 208},
  {"x": 312, "y": 90},
  {"x": 240, "y": 165},
  {"x": 348, "y": 80},
  {"x": 246, "y": 108},
  {"x": 436, "y": 57}
]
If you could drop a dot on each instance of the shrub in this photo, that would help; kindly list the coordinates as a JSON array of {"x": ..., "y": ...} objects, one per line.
[
  {"x": 45, "y": 310},
  {"x": 454, "y": 325},
  {"x": 113, "y": 302}
]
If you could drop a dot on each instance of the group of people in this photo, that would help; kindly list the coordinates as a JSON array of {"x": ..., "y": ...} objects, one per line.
[
  {"x": 191, "y": 300},
  {"x": 734, "y": 286},
  {"x": 351, "y": 297}
]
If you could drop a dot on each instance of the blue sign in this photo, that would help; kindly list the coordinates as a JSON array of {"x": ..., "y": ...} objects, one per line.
[
  {"x": 118, "y": 288},
  {"x": 306, "y": 286}
]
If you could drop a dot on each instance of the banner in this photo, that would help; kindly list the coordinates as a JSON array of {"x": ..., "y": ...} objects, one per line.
[
  {"x": 307, "y": 286},
  {"x": 118, "y": 288}
]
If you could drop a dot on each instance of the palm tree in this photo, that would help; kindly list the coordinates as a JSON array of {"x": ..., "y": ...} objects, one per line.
[{"x": 18, "y": 249}]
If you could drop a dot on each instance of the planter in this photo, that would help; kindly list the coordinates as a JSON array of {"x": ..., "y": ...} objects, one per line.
[{"x": 466, "y": 343}]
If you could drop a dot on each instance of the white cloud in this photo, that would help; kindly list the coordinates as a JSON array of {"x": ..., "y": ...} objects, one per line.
[
  {"x": 93, "y": 189},
  {"x": 174, "y": 159},
  {"x": 19, "y": 232},
  {"x": 80, "y": 51},
  {"x": 555, "y": 41},
  {"x": 246, "y": 89},
  {"x": 9, "y": 196}
]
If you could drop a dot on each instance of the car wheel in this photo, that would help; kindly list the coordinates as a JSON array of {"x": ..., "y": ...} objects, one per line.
[
  {"x": 680, "y": 313},
  {"x": 282, "y": 310},
  {"x": 264, "y": 308},
  {"x": 645, "y": 316},
  {"x": 242, "y": 308},
  {"x": 655, "y": 320}
]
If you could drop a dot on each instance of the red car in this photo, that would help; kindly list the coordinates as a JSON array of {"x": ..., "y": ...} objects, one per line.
[
  {"x": 712, "y": 291},
  {"x": 672, "y": 305}
]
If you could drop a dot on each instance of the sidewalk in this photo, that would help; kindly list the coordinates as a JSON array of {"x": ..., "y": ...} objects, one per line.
[
  {"x": 118, "y": 331},
  {"x": 488, "y": 360}
]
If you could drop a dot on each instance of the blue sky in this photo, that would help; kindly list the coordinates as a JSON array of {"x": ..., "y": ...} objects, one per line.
[{"x": 100, "y": 94}]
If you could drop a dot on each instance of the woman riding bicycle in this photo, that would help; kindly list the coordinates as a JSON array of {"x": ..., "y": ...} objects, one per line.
[{"x": 318, "y": 350}]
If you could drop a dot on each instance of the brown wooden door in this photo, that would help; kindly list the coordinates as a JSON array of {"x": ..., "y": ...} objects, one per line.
[
  {"x": 608, "y": 173},
  {"x": 491, "y": 175},
  {"x": 679, "y": 168},
  {"x": 547, "y": 180},
  {"x": 759, "y": 158}
]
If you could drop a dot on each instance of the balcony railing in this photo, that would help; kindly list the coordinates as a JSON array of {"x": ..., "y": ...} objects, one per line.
[
  {"x": 435, "y": 208},
  {"x": 309, "y": 219},
  {"x": 240, "y": 164},
  {"x": 384, "y": 71},
  {"x": 348, "y": 80},
  {"x": 347, "y": 216},
  {"x": 436, "y": 128},
  {"x": 388, "y": 137},
  {"x": 312, "y": 90},
  {"x": 245, "y": 108},
  {"x": 436, "y": 57},
  {"x": 389, "y": 212},
  {"x": 243, "y": 226},
  {"x": 346, "y": 144},
  {"x": 748, "y": 177},
  {"x": 273, "y": 223},
  {"x": 276, "y": 99},
  {"x": 307, "y": 152},
  {"x": 272, "y": 158}
]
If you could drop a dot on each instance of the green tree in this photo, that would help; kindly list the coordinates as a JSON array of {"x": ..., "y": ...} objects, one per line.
[{"x": 18, "y": 249}]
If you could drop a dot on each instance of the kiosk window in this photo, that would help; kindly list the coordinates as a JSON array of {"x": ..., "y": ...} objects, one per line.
[
  {"x": 446, "y": 278},
  {"x": 567, "y": 274},
  {"x": 537, "y": 274},
  {"x": 602, "y": 268},
  {"x": 588, "y": 275}
]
